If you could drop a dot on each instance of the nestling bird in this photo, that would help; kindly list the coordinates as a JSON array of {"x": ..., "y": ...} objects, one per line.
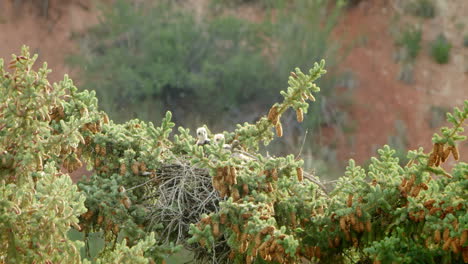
[
  {"x": 202, "y": 136},
  {"x": 238, "y": 152},
  {"x": 218, "y": 138}
]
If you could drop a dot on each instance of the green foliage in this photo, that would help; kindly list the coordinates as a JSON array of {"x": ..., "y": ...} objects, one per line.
[
  {"x": 303, "y": 33},
  {"x": 440, "y": 49},
  {"x": 397, "y": 249},
  {"x": 161, "y": 56},
  {"x": 465, "y": 41},
  {"x": 125, "y": 254},
  {"x": 36, "y": 217},
  {"x": 266, "y": 209},
  {"x": 240, "y": 63},
  {"x": 422, "y": 8},
  {"x": 451, "y": 135},
  {"x": 44, "y": 128},
  {"x": 367, "y": 216},
  {"x": 143, "y": 59},
  {"x": 39, "y": 203},
  {"x": 410, "y": 39},
  {"x": 119, "y": 154}
]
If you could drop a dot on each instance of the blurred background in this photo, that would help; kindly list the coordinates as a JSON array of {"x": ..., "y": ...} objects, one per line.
[{"x": 394, "y": 67}]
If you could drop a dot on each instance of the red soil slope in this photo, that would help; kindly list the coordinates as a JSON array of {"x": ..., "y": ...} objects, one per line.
[
  {"x": 50, "y": 36},
  {"x": 380, "y": 99}
]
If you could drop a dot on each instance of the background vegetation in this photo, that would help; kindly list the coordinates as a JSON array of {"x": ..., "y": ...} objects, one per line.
[
  {"x": 144, "y": 59},
  {"x": 440, "y": 49}
]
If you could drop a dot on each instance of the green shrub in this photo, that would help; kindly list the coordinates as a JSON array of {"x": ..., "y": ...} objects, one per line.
[
  {"x": 440, "y": 49},
  {"x": 143, "y": 60},
  {"x": 42, "y": 131},
  {"x": 465, "y": 41},
  {"x": 410, "y": 40},
  {"x": 303, "y": 34},
  {"x": 422, "y": 8},
  {"x": 39, "y": 203}
]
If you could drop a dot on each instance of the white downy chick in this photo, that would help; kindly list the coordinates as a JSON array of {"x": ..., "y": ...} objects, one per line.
[
  {"x": 218, "y": 138},
  {"x": 202, "y": 136}
]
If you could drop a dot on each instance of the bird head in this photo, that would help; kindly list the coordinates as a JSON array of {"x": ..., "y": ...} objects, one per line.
[
  {"x": 218, "y": 138},
  {"x": 201, "y": 133}
]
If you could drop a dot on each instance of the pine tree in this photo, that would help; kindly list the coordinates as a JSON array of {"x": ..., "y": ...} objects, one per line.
[{"x": 150, "y": 190}]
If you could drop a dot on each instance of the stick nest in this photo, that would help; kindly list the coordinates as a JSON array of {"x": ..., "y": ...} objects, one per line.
[{"x": 177, "y": 198}]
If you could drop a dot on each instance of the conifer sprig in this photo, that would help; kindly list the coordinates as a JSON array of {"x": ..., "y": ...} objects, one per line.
[
  {"x": 300, "y": 90},
  {"x": 440, "y": 153}
]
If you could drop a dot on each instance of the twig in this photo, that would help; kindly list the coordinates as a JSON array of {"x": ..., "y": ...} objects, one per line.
[
  {"x": 331, "y": 182},
  {"x": 302, "y": 146},
  {"x": 245, "y": 153},
  {"x": 313, "y": 179},
  {"x": 141, "y": 185}
]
